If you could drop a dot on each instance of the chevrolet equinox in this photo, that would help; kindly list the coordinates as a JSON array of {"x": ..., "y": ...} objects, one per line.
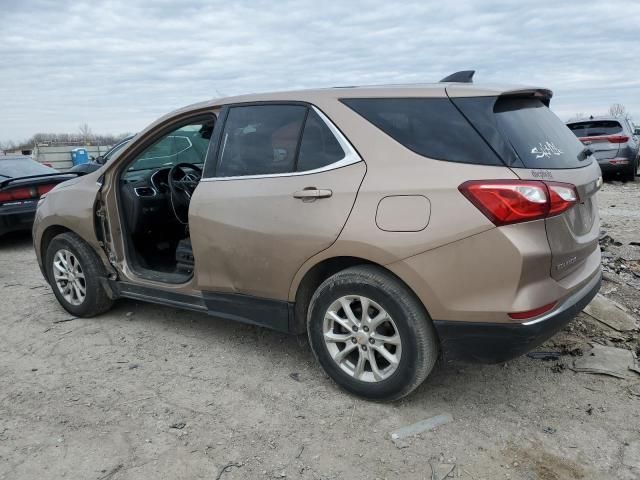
[{"x": 391, "y": 224}]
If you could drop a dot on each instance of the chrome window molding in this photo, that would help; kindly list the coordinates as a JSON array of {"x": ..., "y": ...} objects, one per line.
[{"x": 350, "y": 157}]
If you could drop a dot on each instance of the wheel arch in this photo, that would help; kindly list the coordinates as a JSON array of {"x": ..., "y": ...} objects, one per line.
[{"x": 309, "y": 282}]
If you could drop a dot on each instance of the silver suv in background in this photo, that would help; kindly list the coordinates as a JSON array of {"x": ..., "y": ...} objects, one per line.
[{"x": 613, "y": 141}]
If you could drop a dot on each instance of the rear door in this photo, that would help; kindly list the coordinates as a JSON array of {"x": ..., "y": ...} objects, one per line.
[
  {"x": 277, "y": 190},
  {"x": 537, "y": 145},
  {"x": 603, "y": 137}
]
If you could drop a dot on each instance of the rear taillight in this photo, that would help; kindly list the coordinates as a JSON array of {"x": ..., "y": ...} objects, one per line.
[
  {"x": 16, "y": 194},
  {"x": 44, "y": 189},
  {"x": 25, "y": 193},
  {"x": 513, "y": 201},
  {"x": 605, "y": 138},
  {"x": 617, "y": 138}
]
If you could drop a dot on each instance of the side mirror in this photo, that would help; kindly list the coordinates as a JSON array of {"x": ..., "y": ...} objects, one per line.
[{"x": 100, "y": 160}]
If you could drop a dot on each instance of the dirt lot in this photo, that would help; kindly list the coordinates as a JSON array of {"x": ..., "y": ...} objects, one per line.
[{"x": 149, "y": 392}]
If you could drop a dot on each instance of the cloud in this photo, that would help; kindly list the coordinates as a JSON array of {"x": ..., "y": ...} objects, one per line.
[{"x": 118, "y": 65}]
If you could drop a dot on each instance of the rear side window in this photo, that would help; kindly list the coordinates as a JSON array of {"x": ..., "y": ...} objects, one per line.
[
  {"x": 318, "y": 147},
  {"x": 538, "y": 136},
  {"x": 431, "y": 127},
  {"x": 595, "y": 128},
  {"x": 260, "y": 140}
]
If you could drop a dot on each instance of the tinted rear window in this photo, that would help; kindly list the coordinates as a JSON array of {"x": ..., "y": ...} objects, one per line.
[
  {"x": 595, "y": 128},
  {"x": 431, "y": 127},
  {"x": 539, "y": 137},
  {"x": 22, "y": 167}
]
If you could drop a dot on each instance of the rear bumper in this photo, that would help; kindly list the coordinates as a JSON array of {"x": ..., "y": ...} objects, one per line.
[
  {"x": 497, "y": 342},
  {"x": 17, "y": 217},
  {"x": 608, "y": 167}
]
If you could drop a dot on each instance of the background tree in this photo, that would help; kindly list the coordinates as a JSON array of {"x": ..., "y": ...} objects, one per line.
[
  {"x": 618, "y": 110},
  {"x": 85, "y": 133}
]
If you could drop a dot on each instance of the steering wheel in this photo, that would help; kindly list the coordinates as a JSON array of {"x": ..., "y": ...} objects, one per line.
[{"x": 183, "y": 179}]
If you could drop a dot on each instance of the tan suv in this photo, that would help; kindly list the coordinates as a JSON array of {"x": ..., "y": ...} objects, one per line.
[{"x": 391, "y": 224}]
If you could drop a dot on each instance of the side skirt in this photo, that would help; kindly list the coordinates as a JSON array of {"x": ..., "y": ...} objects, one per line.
[{"x": 263, "y": 312}]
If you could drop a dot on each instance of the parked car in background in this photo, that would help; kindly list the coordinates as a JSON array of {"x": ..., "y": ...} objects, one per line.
[
  {"x": 22, "y": 182},
  {"x": 391, "y": 224},
  {"x": 613, "y": 141},
  {"x": 100, "y": 160}
]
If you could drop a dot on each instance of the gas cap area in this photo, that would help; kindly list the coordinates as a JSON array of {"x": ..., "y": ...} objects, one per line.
[{"x": 403, "y": 213}]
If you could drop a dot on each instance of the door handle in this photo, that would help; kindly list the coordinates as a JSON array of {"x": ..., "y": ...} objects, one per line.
[{"x": 311, "y": 193}]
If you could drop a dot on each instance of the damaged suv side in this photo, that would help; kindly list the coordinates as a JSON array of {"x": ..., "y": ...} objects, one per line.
[{"x": 390, "y": 224}]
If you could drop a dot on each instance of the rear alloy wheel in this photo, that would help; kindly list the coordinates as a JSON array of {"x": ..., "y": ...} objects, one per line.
[
  {"x": 74, "y": 271},
  {"x": 371, "y": 334},
  {"x": 362, "y": 338}
]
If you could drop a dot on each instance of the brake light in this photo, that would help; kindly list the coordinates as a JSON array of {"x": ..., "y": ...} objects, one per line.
[
  {"x": 618, "y": 139},
  {"x": 44, "y": 189},
  {"x": 505, "y": 202},
  {"x": 16, "y": 194},
  {"x": 605, "y": 138},
  {"x": 532, "y": 313},
  {"x": 25, "y": 193}
]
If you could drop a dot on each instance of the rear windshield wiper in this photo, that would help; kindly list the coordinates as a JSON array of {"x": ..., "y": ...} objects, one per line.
[{"x": 585, "y": 153}]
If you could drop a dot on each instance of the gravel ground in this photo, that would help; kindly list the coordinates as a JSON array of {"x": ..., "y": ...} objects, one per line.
[{"x": 149, "y": 392}]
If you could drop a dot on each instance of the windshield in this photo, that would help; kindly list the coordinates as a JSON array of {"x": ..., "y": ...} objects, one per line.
[
  {"x": 22, "y": 167},
  {"x": 187, "y": 144}
]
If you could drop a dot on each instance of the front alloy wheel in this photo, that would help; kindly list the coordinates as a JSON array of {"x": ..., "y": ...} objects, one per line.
[{"x": 69, "y": 277}]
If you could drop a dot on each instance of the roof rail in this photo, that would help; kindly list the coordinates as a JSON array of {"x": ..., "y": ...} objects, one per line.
[{"x": 464, "y": 76}]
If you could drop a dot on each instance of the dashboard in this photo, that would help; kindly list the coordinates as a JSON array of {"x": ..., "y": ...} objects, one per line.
[{"x": 145, "y": 197}]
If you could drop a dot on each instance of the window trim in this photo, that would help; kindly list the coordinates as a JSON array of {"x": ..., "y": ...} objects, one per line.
[{"x": 351, "y": 156}]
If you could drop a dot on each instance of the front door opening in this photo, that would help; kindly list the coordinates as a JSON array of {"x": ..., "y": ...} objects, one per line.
[{"x": 155, "y": 191}]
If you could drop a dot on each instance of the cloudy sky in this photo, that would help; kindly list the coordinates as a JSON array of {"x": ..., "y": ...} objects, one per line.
[{"x": 118, "y": 65}]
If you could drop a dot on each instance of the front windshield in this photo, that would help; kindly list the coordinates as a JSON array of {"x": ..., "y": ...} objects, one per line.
[{"x": 187, "y": 144}]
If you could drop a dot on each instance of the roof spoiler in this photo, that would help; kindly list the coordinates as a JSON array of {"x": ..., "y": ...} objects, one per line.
[
  {"x": 37, "y": 178},
  {"x": 463, "y": 76}
]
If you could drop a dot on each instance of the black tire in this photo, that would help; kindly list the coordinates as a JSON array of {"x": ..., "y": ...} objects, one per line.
[
  {"x": 96, "y": 300},
  {"x": 630, "y": 173},
  {"x": 417, "y": 333}
]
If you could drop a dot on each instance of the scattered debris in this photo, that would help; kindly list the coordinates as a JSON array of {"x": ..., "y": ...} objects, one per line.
[
  {"x": 295, "y": 376},
  {"x": 612, "y": 361},
  {"x": 558, "y": 367},
  {"x": 441, "y": 471},
  {"x": 226, "y": 468},
  {"x": 589, "y": 409},
  {"x": 111, "y": 472},
  {"x": 178, "y": 425},
  {"x": 65, "y": 320},
  {"x": 611, "y": 314},
  {"x": 549, "y": 430},
  {"x": 544, "y": 356},
  {"x": 419, "y": 427},
  {"x": 631, "y": 454}
]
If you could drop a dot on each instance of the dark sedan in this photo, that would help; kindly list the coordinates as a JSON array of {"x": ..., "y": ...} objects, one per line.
[{"x": 22, "y": 182}]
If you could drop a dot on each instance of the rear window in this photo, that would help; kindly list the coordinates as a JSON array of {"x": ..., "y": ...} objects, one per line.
[
  {"x": 595, "y": 128},
  {"x": 22, "y": 167},
  {"x": 539, "y": 137},
  {"x": 431, "y": 127}
]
